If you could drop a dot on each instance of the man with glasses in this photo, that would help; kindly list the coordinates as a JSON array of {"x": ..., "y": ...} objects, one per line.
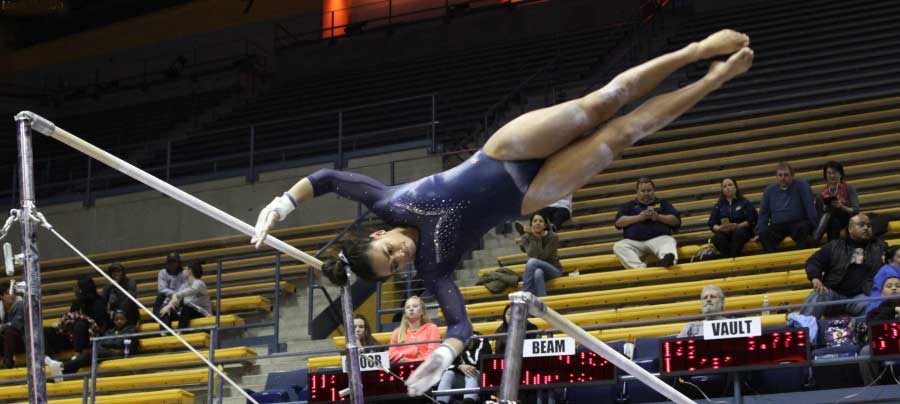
[{"x": 844, "y": 268}]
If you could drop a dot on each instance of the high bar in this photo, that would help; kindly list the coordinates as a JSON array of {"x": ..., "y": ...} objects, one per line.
[{"x": 48, "y": 128}]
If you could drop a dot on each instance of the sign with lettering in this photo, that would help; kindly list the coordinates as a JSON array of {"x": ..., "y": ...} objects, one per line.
[
  {"x": 548, "y": 347},
  {"x": 732, "y": 328},
  {"x": 370, "y": 361}
]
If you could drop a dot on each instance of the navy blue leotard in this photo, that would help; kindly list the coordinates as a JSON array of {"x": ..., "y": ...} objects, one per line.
[{"x": 452, "y": 211}]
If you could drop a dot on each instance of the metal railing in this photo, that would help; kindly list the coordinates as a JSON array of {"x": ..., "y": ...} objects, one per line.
[{"x": 260, "y": 146}]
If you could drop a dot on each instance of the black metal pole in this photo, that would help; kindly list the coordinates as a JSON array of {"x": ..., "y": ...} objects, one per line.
[{"x": 37, "y": 380}]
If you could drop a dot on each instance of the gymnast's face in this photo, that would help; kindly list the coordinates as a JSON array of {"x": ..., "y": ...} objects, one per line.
[{"x": 390, "y": 251}]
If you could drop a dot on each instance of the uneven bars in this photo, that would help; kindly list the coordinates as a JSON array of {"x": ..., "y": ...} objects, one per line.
[
  {"x": 48, "y": 128},
  {"x": 537, "y": 308}
]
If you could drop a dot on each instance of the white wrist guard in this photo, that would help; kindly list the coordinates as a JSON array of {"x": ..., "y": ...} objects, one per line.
[{"x": 282, "y": 205}]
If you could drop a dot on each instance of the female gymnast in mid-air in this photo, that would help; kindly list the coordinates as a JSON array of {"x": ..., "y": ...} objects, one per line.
[{"x": 530, "y": 162}]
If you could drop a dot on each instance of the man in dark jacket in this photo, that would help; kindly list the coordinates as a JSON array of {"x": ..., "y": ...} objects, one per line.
[
  {"x": 12, "y": 327},
  {"x": 844, "y": 268}
]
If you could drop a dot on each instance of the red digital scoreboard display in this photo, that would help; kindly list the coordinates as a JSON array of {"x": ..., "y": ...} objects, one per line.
[
  {"x": 324, "y": 387},
  {"x": 884, "y": 339},
  {"x": 681, "y": 356},
  {"x": 552, "y": 371},
  {"x": 539, "y": 372}
]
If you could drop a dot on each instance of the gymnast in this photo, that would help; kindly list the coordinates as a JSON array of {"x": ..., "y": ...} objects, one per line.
[{"x": 527, "y": 164}]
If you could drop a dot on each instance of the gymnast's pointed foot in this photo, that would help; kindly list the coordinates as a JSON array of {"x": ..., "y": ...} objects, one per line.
[
  {"x": 736, "y": 65},
  {"x": 723, "y": 42}
]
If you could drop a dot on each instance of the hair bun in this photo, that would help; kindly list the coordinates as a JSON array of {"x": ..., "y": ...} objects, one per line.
[{"x": 333, "y": 269}]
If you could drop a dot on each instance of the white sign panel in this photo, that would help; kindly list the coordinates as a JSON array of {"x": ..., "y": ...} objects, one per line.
[
  {"x": 548, "y": 347},
  {"x": 732, "y": 328},
  {"x": 370, "y": 361}
]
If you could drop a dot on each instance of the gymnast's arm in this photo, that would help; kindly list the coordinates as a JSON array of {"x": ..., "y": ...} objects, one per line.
[
  {"x": 459, "y": 329},
  {"x": 353, "y": 186}
]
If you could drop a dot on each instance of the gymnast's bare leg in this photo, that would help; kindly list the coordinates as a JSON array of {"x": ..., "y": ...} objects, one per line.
[
  {"x": 571, "y": 167},
  {"x": 540, "y": 133}
]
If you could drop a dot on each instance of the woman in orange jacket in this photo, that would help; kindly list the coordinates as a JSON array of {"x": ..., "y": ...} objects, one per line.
[{"x": 415, "y": 326}]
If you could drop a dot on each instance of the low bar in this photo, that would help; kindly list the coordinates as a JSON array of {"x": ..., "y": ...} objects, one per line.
[{"x": 537, "y": 308}]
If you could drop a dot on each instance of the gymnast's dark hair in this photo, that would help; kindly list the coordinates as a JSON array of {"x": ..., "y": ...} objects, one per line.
[{"x": 355, "y": 250}]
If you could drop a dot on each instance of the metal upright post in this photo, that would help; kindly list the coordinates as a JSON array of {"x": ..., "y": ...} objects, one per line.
[
  {"x": 277, "y": 308},
  {"x": 37, "y": 381},
  {"x": 512, "y": 359},
  {"x": 355, "y": 377},
  {"x": 93, "y": 372}
]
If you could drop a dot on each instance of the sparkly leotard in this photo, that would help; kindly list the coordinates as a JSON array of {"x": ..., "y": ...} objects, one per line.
[{"x": 452, "y": 211}]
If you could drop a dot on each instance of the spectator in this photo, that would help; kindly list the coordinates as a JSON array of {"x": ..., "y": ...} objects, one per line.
[
  {"x": 891, "y": 269},
  {"x": 12, "y": 327},
  {"x": 712, "y": 301},
  {"x": 786, "y": 209},
  {"x": 466, "y": 366},
  {"x": 558, "y": 212},
  {"x": 112, "y": 348},
  {"x": 115, "y": 299},
  {"x": 836, "y": 204},
  {"x": 543, "y": 265},
  {"x": 732, "y": 220},
  {"x": 414, "y": 327},
  {"x": 191, "y": 301},
  {"x": 88, "y": 302},
  {"x": 888, "y": 283},
  {"x": 504, "y": 326},
  {"x": 648, "y": 224},
  {"x": 844, "y": 268},
  {"x": 168, "y": 281},
  {"x": 75, "y": 329},
  {"x": 363, "y": 333}
]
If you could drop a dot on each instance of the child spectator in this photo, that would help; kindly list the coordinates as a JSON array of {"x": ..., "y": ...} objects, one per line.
[{"x": 112, "y": 348}]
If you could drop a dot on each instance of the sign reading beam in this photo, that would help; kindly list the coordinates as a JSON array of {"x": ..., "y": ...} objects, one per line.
[
  {"x": 548, "y": 347},
  {"x": 732, "y": 328},
  {"x": 370, "y": 361}
]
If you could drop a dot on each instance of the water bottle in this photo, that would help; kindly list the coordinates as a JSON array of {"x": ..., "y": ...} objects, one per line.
[
  {"x": 765, "y": 305},
  {"x": 127, "y": 348}
]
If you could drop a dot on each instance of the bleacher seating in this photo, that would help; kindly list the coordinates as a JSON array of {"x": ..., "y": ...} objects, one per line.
[
  {"x": 823, "y": 87},
  {"x": 248, "y": 285},
  {"x": 805, "y": 101}
]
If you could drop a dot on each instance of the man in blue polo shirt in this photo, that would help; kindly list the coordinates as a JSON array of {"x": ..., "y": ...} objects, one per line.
[
  {"x": 786, "y": 209},
  {"x": 647, "y": 223}
]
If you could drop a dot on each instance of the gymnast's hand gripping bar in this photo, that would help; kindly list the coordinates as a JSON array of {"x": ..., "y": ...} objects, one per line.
[{"x": 44, "y": 126}]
